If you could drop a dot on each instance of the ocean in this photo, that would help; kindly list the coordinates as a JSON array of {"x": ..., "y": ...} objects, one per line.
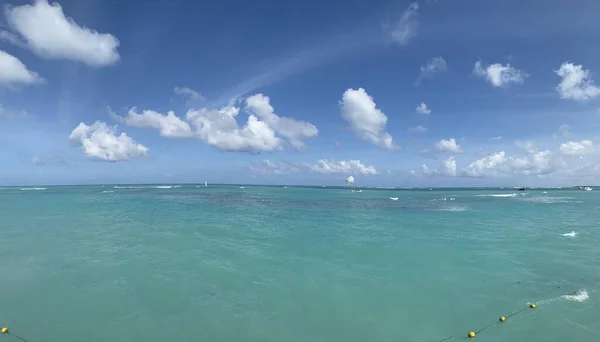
[{"x": 257, "y": 264}]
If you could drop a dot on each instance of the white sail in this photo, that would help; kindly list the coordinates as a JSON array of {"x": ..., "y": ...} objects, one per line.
[
  {"x": 205, "y": 183},
  {"x": 350, "y": 180}
]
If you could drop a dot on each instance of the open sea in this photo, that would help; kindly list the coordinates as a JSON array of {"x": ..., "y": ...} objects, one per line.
[{"x": 154, "y": 263}]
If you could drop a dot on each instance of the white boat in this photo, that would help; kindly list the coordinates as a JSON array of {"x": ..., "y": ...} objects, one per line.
[
  {"x": 205, "y": 183},
  {"x": 587, "y": 188}
]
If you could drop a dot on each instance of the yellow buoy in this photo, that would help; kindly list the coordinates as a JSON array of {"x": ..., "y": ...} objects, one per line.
[
  {"x": 532, "y": 305},
  {"x": 471, "y": 334},
  {"x": 502, "y": 318},
  {"x": 4, "y": 330}
]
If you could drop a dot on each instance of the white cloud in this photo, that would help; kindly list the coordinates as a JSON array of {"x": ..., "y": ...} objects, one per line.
[
  {"x": 404, "y": 29},
  {"x": 418, "y": 129},
  {"x": 576, "y": 83},
  {"x": 484, "y": 166},
  {"x": 434, "y": 66},
  {"x": 219, "y": 128},
  {"x": 365, "y": 119},
  {"x": 267, "y": 167},
  {"x": 343, "y": 166},
  {"x": 446, "y": 168},
  {"x": 190, "y": 93},
  {"x": 533, "y": 162},
  {"x": 100, "y": 141},
  {"x": 169, "y": 125},
  {"x": 578, "y": 148},
  {"x": 498, "y": 138},
  {"x": 422, "y": 109},
  {"x": 263, "y": 131},
  {"x": 13, "y": 72},
  {"x": 46, "y": 31},
  {"x": 448, "y": 146},
  {"x": 295, "y": 131},
  {"x": 499, "y": 75}
]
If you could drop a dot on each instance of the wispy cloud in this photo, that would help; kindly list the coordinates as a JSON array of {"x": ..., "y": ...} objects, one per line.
[
  {"x": 5, "y": 114},
  {"x": 297, "y": 62},
  {"x": 404, "y": 28},
  {"x": 434, "y": 66},
  {"x": 351, "y": 42}
]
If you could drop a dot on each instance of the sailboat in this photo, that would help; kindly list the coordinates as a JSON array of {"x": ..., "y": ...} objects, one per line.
[
  {"x": 350, "y": 181},
  {"x": 205, "y": 183}
]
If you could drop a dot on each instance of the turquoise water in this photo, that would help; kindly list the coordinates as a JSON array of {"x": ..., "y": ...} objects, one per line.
[{"x": 223, "y": 263}]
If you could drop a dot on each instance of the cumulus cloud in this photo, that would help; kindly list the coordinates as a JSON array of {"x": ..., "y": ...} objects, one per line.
[
  {"x": 484, "y": 166},
  {"x": 219, "y": 128},
  {"x": 325, "y": 166},
  {"x": 450, "y": 146},
  {"x": 499, "y": 75},
  {"x": 366, "y": 121},
  {"x": 343, "y": 166},
  {"x": 433, "y": 66},
  {"x": 100, "y": 141},
  {"x": 14, "y": 73},
  {"x": 44, "y": 29},
  {"x": 578, "y": 148},
  {"x": 422, "y": 109},
  {"x": 568, "y": 158},
  {"x": 294, "y": 130},
  {"x": 576, "y": 83},
  {"x": 263, "y": 131},
  {"x": 446, "y": 168},
  {"x": 402, "y": 30},
  {"x": 169, "y": 125}
]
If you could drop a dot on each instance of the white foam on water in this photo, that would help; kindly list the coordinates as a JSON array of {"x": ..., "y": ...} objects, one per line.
[
  {"x": 32, "y": 189},
  {"x": 550, "y": 200},
  {"x": 394, "y": 198},
  {"x": 577, "y": 296},
  {"x": 571, "y": 234},
  {"x": 147, "y": 187},
  {"x": 497, "y": 195},
  {"x": 107, "y": 191},
  {"x": 454, "y": 208}
]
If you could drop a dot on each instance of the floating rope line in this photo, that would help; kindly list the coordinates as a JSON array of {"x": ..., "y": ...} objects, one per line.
[
  {"x": 5, "y": 331},
  {"x": 502, "y": 319}
]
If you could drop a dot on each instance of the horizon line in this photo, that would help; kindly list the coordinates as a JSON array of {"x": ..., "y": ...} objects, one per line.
[{"x": 296, "y": 185}]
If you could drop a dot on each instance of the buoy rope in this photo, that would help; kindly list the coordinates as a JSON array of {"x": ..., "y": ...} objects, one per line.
[
  {"x": 501, "y": 319},
  {"x": 5, "y": 331}
]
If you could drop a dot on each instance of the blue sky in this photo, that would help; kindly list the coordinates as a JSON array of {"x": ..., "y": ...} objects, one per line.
[{"x": 395, "y": 93}]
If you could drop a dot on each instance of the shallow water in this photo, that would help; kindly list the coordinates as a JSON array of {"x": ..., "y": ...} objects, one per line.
[{"x": 222, "y": 263}]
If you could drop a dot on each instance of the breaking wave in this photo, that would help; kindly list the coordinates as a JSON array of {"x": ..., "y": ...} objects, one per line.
[
  {"x": 577, "y": 296},
  {"x": 497, "y": 195}
]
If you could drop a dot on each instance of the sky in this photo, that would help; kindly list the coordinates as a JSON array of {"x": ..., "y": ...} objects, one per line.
[{"x": 394, "y": 93}]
